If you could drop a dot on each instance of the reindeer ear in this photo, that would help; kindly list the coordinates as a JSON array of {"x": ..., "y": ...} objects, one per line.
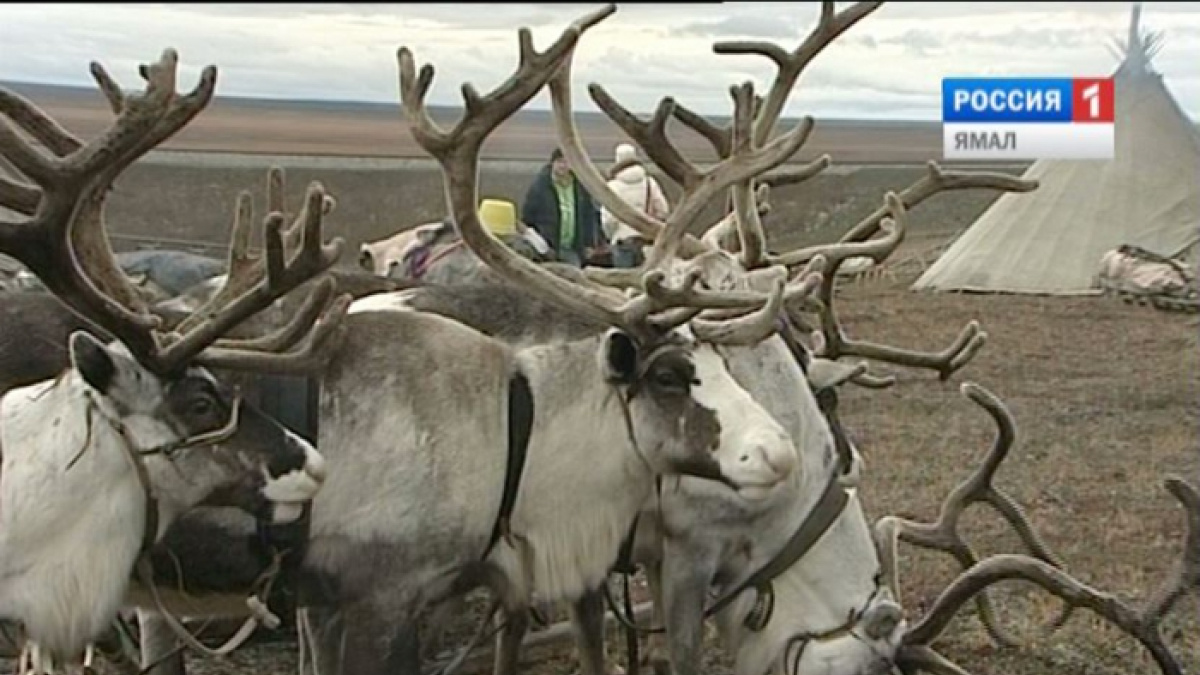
[
  {"x": 620, "y": 357},
  {"x": 91, "y": 359}
]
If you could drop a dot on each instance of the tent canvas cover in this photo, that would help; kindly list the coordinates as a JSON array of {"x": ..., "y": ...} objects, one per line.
[{"x": 1050, "y": 241}]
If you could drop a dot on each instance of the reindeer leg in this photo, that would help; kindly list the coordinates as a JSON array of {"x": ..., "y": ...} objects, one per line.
[
  {"x": 157, "y": 641},
  {"x": 508, "y": 642},
  {"x": 684, "y": 591},
  {"x": 355, "y": 639},
  {"x": 657, "y": 649},
  {"x": 587, "y": 619},
  {"x": 404, "y": 650}
]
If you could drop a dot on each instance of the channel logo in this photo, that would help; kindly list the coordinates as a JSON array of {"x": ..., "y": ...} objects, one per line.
[{"x": 1028, "y": 118}]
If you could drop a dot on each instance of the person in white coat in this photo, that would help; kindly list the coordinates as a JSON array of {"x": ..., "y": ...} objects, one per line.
[{"x": 630, "y": 181}]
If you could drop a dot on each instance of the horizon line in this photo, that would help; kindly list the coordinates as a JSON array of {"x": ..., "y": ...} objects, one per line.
[{"x": 532, "y": 108}]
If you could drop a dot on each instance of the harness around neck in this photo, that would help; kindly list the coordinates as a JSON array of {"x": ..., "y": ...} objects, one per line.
[
  {"x": 256, "y": 602},
  {"x": 169, "y": 450}
]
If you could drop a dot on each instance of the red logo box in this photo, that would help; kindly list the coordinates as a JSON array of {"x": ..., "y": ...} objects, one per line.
[{"x": 1092, "y": 100}]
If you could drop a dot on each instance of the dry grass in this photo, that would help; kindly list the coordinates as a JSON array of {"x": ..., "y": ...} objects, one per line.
[
  {"x": 1104, "y": 394},
  {"x": 1105, "y": 398},
  {"x": 357, "y": 130}
]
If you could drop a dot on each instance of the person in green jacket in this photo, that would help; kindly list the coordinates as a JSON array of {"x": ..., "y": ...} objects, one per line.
[{"x": 563, "y": 213}]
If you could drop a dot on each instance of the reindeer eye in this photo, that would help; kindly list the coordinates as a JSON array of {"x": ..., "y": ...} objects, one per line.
[
  {"x": 669, "y": 379},
  {"x": 202, "y": 407}
]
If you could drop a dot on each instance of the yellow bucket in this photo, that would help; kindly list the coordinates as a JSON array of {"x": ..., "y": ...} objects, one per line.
[{"x": 498, "y": 216}]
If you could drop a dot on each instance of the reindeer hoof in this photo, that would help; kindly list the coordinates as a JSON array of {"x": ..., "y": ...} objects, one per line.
[{"x": 655, "y": 656}]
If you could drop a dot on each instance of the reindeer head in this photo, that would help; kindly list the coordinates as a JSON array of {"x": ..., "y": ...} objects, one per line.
[{"x": 221, "y": 451}]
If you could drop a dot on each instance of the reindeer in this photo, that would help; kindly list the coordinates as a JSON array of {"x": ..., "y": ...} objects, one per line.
[
  {"x": 797, "y": 649},
  {"x": 406, "y": 520},
  {"x": 140, "y": 420},
  {"x": 414, "y": 504},
  {"x": 218, "y": 562},
  {"x": 722, "y": 549},
  {"x": 434, "y": 253}
]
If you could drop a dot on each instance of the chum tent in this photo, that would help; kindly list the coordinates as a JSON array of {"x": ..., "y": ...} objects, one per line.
[{"x": 1050, "y": 240}]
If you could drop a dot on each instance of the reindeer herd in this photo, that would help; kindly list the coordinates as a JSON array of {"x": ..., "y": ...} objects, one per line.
[{"x": 529, "y": 430}]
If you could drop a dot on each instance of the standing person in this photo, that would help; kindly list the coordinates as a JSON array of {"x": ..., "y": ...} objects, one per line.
[
  {"x": 562, "y": 211},
  {"x": 628, "y": 178}
]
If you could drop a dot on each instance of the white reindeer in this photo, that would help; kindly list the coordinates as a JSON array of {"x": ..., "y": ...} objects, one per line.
[{"x": 100, "y": 460}]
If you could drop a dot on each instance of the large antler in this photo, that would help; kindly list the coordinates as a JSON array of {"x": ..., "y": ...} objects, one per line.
[
  {"x": 746, "y": 161},
  {"x": 936, "y": 181},
  {"x": 943, "y": 535},
  {"x": 917, "y": 654},
  {"x": 747, "y": 137},
  {"x": 244, "y": 267},
  {"x": 457, "y": 151},
  {"x": 64, "y": 242},
  {"x": 830, "y": 26},
  {"x": 309, "y": 333},
  {"x": 1142, "y": 623},
  {"x": 858, "y": 243}
]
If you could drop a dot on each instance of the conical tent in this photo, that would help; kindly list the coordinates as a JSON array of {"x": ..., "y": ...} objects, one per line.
[{"x": 1050, "y": 241}]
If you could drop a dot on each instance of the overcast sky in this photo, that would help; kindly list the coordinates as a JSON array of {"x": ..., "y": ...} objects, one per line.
[{"x": 888, "y": 66}]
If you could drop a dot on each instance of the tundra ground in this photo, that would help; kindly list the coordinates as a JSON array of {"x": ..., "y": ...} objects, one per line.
[
  {"x": 1105, "y": 398},
  {"x": 1104, "y": 394}
]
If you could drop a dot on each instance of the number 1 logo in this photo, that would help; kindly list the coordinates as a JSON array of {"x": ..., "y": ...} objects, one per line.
[{"x": 1092, "y": 100}]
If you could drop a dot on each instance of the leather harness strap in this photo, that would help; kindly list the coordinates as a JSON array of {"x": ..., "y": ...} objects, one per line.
[
  {"x": 520, "y": 428},
  {"x": 142, "y": 567},
  {"x": 824, "y": 513},
  {"x": 422, "y": 266},
  {"x": 829, "y": 506}
]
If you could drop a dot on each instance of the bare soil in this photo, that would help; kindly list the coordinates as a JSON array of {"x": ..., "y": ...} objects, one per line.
[
  {"x": 1105, "y": 398},
  {"x": 372, "y": 130},
  {"x": 1105, "y": 394}
]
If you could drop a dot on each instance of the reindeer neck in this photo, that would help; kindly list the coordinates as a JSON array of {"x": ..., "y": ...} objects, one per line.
[{"x": 580, "y": 453}]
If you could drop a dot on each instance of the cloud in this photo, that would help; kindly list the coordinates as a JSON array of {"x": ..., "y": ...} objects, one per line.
[
  {"x": 740, "y": 26},
  {"x": 893, "y": 60},
  {"x": 917, "y": 41}
]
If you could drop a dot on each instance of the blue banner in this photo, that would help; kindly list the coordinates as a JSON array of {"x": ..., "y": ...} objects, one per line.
[{"x": 1007, "y": 99}]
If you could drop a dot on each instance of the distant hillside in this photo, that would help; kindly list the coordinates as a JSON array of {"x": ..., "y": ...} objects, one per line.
[
  {"x": 359, "y": 129},
  {"x": 40, "y": 92}
]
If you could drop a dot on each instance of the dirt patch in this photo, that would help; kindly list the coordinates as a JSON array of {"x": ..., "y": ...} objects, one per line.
[
  {"x": 375, "y": 130},
  {"x": 1104, "y": 395}
]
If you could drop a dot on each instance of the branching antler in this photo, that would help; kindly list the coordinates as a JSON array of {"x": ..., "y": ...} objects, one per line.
[
  {"x": 658, "y": 307},
  {"x": 742, "y": 165},
  {"x": 830, "y": 26},
  {"x": 858, "y": 243},
  {"x": 754, "y": 121},
  {"x": 936, "y": 181},
  {"x": 834, "y": 343},
  {"x": 1143, "y": 624},
  {"x": 245, "y": 268},
  {"x": 64, "y": 241},
  {"x": 943, "y": 535}
]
